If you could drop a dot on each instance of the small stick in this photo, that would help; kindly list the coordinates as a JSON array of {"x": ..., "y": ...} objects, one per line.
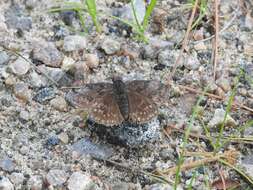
[
  {"x": 199, "y": 136},
  {"x": 222, "y": 179},
  {"x": 235, "y": 104},
  {"x": 216, "y": 43},
  {"x": 209, "y": 157},
  {"x": 185, "y": 41}
]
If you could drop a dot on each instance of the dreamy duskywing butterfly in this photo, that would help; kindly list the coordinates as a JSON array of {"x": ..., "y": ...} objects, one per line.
[{"x": 110, "y": 104}]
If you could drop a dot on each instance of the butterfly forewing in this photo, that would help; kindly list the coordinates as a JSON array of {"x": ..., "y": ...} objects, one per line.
[
  {"x": 141, "y": 108},
  {"x": 86, "y": 96},
  {"x": 152, "y": 89},
  {"x": 106, "y": 111},
  {"x": 98, "y": 100}
]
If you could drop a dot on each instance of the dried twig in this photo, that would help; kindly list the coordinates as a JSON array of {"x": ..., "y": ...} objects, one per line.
[
  {"x": 136, "y": 171},
  {"x": 203, "y": 137},
  {"x": 230, "y": 156},
  {"x": 216, "y": 43},
  {"x": 235, "y": 104},
  {"x": 185, "y": 41}
]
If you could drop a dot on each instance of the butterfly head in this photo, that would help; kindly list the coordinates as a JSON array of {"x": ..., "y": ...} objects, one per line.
[{"x": 116, "y": 79}]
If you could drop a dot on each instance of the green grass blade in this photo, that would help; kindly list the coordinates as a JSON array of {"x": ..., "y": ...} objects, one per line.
[
  {"x": 185, "y": 141},
  {"x": 148, "y": 13},
  {"x": 136, "y": 18},
  {"x": 228, "y": 108},
  {"x": 92, "y": 10},
  {"x": 244, "y": 175}
]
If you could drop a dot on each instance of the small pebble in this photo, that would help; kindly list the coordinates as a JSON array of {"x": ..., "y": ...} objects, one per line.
[
  {"x": 249, "y": 21},
  {"x": 47, "y": 53},
  {"x": 22, "y": 92},
  {"x": 121, "y": 186},
  {"x": 64, "y": 137},
  {"x": 218, "y": 118},
  {"x": 59, "y": 104},
  {"x": 192, "y": 63},
  {"x": 56, "y": 177},
  {"x": 24, "y": 115},
  {"x": 35, "y": 182},
  {"x": 224, "y": 83},
  {"x": 92, "y": 60},
  {"x": 219, "y": 91},
  {"x": 74, "y": 43},
  {"x": 52, "y": 141},
  {"x": 17, "y": 179},
  {"x": 19, "y": 67},
  {"x": 199, "y": 34},
  {"x": 44, "y": 94},
  {"x": 10, "y": 81},
  {"x": 5, "y": 184},
  {"x": 4, "y": 57},
  {"x": 86, "y": 147},
  {"x": 126, "y": 13},
  {"x": 110, "y": 46},
  {"x": 36, "y": 80},
  {"x": 200, "y": 46},
  {"x": 7, "y": 164},
  {"x": 161, "y": 186},
  {"x": 68, "y": 17},
  {"x": 68, "y": 63},
  {"x": 59, "y": 76},
  {"x": 80, "y": 181},
  {"x": 166, "y": 57},
  {"x": 16, "y": 18}
]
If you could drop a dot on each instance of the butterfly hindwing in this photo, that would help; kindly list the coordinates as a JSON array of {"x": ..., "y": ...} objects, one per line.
[{"x": 141, "y": 109}]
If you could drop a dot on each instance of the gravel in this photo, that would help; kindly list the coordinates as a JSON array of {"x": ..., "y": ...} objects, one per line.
[{"x": 45, "y": 144}]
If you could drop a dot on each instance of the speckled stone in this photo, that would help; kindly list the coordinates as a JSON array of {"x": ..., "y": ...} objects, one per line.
[
  {"x": 59, "y": 104},
  {"x": 92, "y": 60},
  {"x": 63, "y": 137},
  {"x": 7, "y": 164},
  {"x": 19, "y": 67},
  {"x": 68, "y": 63},
  {"x": 5, "y": 184},
  {"x": 110, "y": 46},
  {"x": 35, "y": 182},
  {"x": 47, "y": 53},
  {"x": 4, "y": 57},
  {"x": 74, "y": 43},
  {"x": 22, "y": 92},
  {"x": 36, "y": 80},
  {"x": 56, "y": 177},
  {"x": 80, "y": 181},
  {"x": 218, "y": 118},
  {"x": 86, "y": 147},
  {"x": 224, "y": 83},
  {"x": 44, "y": 94},
  {"x": 17, "y": 179}
]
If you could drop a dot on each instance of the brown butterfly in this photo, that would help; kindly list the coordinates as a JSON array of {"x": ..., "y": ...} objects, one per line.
[{"x": 111, "y": 104}]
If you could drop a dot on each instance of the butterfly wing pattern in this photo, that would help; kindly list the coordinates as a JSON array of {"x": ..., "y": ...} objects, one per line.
[
  {"x": 152, "y": 89},
  {"x": 98, "y": 99},
  {"x": 142, "y": 109}
]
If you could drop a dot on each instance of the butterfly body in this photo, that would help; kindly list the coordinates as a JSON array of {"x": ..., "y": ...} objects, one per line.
[
  {"x": 111, "y": 104},
  {"x": 121, "y": 97}
]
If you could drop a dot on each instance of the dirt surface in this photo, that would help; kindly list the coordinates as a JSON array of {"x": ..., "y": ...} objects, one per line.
[{"x": 45, "y": 144}]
